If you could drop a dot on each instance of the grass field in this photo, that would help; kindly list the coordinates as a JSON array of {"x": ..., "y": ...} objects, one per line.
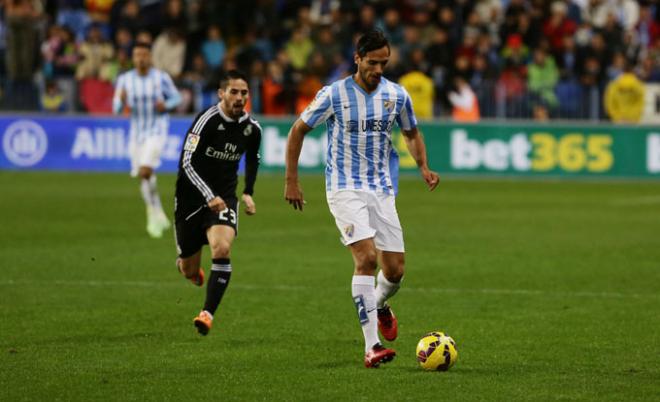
[{"x": 551, "y": 290}]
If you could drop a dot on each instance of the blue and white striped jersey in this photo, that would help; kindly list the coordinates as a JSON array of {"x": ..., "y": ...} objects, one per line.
[
  {"x": 142, "y": 93},
  {"x": 359, "y": 129}
]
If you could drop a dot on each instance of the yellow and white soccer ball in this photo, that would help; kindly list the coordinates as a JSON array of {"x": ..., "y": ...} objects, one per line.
[{"x": 436, "y": 351}]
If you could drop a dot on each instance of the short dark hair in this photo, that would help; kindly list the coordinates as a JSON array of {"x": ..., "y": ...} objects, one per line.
[
  {"x": 144, "y": 45},
  {"x": 232, "y": 75},
  {"x": 371, "y": 40}
]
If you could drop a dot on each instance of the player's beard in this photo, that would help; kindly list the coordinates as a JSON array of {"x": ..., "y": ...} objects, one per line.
[
  {"x": 236, "y": 110},
  {"x": 370, "y": 81}
]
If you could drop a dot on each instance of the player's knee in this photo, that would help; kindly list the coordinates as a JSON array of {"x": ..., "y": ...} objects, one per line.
[
  {"x": 145, "y": 173},
  {"x": 395, "y": 277},
  {"x": 220, "y": 249},
  {"x": 366, "y": 263}
]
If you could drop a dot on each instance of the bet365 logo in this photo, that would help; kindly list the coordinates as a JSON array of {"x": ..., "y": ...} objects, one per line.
[
  {"x": 24, "y": 143},
  {"x": 538, "y": 152}
]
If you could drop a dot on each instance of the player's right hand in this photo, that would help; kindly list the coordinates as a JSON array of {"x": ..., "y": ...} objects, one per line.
[
  {"x": 217, "y": 204},
  {"x": 294, "y": 195}
]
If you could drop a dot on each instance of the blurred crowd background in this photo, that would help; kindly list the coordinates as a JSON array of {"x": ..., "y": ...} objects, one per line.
[{"x": 574, "y": 59}]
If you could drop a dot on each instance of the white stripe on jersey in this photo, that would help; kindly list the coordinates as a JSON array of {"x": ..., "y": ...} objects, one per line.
[
  {"x": 359, "y": 129},
  {"x": 142, "y": 93},
  {"x": 193, "y": 176}
]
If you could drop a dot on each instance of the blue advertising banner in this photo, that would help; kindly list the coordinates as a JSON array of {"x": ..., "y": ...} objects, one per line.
[{"x": 77, "y": 143}]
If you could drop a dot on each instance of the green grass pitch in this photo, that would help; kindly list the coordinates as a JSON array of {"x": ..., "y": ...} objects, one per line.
[{"x": 550, "y": 289}]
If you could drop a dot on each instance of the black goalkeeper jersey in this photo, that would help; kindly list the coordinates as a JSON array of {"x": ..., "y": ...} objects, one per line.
[{"x": 211, "y": 152}]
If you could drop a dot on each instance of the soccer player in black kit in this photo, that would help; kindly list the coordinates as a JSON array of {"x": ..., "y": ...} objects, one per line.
[{"x": 206, "y": 206}]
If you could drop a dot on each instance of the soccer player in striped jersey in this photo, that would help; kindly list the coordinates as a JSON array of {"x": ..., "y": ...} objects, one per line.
[
  {"x": 149, "y": 94},
  {"x": 359, "y": 112},
  {"x": 206, "y": 206}
]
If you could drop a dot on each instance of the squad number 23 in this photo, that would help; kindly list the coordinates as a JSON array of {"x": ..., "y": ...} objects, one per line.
[{"x": 572, "y": 152}]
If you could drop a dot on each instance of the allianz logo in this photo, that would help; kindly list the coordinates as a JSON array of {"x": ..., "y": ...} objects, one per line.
[
  {"x": 112, "y": 143},
  {"x": 24, "y": 143}
]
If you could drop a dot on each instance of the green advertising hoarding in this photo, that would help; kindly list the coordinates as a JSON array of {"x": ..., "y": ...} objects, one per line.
[{"x": 502, "y": 149}]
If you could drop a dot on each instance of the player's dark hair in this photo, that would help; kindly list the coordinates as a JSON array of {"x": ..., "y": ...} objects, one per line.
[
  {"x": 370, "y": 41},
  {"x": 232, "y": 75},
  {"x": 144, "y": 45}
]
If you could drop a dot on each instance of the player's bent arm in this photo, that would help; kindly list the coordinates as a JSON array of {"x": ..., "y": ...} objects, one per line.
[
  {"x": 252, "y": 162},
  {"x": 292, "y": 192},
  {"x": 173, "y": 101},
  {"x": 293, "y": 148},
  {"x": 417, "y": 148},
  {"x": 190, "y": 146}
]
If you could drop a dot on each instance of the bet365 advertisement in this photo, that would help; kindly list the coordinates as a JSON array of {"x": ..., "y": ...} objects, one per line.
[{"x": 84, "y": 143}]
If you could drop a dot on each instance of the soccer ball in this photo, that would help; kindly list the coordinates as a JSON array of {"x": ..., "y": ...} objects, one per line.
[{"x": 436, "y": 351}]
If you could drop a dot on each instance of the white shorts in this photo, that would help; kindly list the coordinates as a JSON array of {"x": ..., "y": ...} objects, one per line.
[
  {"x": 363, "y": 215},
  {"x": 146, "y": 153}
]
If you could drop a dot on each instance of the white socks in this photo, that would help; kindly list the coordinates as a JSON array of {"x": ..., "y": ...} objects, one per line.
[
  {"x": 364, "y": 297},
  {"x": 150, "y": 194},
  {"x": 385, "y": 289}
]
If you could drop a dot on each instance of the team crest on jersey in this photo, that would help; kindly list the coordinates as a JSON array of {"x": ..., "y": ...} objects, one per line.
[
  {"x": 389, "y": 105},
  {"x": 191, "y": 142},
  {"x": 349, "y": 230},
  {"x": 248, "y": 130}
]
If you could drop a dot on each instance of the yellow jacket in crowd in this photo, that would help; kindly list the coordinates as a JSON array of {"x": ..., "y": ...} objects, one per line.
[
  {"x": 422, "y": 92},
  {"x": 624, "y": 99}
]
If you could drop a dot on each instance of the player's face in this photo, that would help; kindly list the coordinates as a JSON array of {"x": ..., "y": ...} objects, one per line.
[
  {"x": 141, "y": 58},
  {"x": 372, "y": 65},
  {"x": 234, "y": 97}
]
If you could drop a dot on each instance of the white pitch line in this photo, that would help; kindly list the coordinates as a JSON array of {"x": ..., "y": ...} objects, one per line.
[
  {"x": 626, "y": 202},
  {"x": 514, "y": 292}
]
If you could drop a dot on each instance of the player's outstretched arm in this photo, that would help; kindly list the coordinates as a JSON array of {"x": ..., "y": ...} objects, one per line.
[
  {"x": 292, "y": 191},
  {"x": 417, "y": 148}
]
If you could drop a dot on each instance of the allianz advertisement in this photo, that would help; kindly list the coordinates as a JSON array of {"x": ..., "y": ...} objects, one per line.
[{"x": 81, "y": 143}]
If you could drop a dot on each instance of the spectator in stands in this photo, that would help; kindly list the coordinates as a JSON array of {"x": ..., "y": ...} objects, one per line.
[
  {"x": 129, "y": 16},
  {"x": 273, "y": 91},
  {"x": 624, "y": 98},
  {"x": 21, "y": 17},
  {"x": 391, "y": 26},
  {"x": 213, "y": 47},
  {"x": 169, "y": 52},
  {"x": 482, "y": 82},
  {"x": 94, "y": 52},
  {"x": 558, "y": 26},
  {"x": 542, "y": 77},
  {"x": 298, "y": 48},
  {"x": 173, "y": 14},
  {"x": 52, "y": 99},
  {"x": 647, "y": 28},
  {"x": 420, "y": 87},
  {"x": 465, "y": 106}
]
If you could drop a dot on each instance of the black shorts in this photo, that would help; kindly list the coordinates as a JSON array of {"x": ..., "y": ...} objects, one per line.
[{"x": 190, "y": 231}]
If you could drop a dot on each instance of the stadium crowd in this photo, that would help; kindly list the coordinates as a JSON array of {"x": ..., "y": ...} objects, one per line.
[{"x": 467, "y": 58}]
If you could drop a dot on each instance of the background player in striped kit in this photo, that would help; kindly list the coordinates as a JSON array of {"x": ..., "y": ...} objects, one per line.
[
  {"x": 206, "y": 206},
  {"x": 148, "y": 93},
  {"x": 359, "y": 112}
]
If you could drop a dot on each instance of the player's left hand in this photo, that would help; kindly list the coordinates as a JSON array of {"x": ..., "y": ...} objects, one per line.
[
  {"x": 431, "y": 178},
  {"x": 250, "y": 206},
  {"x": 160, "y": 106}
]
